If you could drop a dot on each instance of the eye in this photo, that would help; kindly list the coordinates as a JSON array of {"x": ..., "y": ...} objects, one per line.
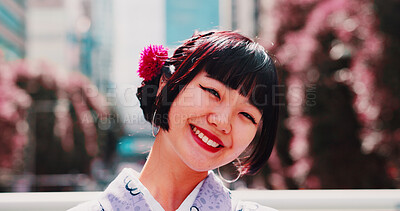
[
  {"x": 248, "y": 116},
  {"x": 211, "y": 90}
]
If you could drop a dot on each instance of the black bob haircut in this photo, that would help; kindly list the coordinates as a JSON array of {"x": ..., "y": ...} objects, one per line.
[{"x": 236, "y": 61}]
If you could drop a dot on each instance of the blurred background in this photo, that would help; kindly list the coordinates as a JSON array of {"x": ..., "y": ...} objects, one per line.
[{"x": 70, "y": 120}]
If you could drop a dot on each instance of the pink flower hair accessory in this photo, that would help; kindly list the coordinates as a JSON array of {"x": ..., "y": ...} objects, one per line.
[{"x": 151, "y": 61}]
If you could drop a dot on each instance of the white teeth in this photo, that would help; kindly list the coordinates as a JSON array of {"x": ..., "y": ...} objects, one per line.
[
  {"x": 204, "y": 138},
  {"x": 215, "y": 145}
]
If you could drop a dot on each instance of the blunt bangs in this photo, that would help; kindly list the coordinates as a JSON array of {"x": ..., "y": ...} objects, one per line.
[{"x": 244, "y": 67}]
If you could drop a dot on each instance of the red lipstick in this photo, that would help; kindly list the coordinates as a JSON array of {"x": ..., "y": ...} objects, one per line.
[{"x": 209, "y": 135}]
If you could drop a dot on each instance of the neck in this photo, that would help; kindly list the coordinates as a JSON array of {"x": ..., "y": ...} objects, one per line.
[{"x": 167, "y": 177}]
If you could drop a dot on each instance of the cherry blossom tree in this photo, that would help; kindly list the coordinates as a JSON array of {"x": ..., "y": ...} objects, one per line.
[
  {"x": 338, "y": 62},
  {"x": 62, "y": 118}
]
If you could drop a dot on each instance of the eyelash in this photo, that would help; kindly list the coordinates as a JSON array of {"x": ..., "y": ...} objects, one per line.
[
  {"x": 211, "y": 91},
  {"x": 216, "y": 94},
  {"x": 248, "y": 116}
]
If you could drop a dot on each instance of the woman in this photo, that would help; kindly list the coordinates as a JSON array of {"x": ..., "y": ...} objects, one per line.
[{"x": 209, "y": 100}]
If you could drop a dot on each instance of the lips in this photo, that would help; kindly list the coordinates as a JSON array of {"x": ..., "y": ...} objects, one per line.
[{"x": 206, "y": 139}]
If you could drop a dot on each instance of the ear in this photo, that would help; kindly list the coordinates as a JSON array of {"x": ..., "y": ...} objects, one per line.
[{"x": 161, "y": 84}]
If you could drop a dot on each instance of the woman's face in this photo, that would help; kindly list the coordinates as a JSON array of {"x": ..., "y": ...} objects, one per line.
[{"x": 210, "y": 124}]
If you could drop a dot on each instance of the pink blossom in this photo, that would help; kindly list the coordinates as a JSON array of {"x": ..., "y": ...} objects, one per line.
[{"x": 151, "y": 61}]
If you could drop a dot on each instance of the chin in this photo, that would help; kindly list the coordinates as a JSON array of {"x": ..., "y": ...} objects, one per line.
[
  {"x": 200, "y": 170},
  {"x": 199, "y": 166}
]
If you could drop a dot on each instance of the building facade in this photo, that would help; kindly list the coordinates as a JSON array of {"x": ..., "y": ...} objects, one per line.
[{"x": 12, "y": 29}]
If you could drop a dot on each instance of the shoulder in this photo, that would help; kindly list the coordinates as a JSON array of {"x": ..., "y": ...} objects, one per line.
[
  {"x": 213, "y": 195},
  {"x": 220, "y": 197},
  {"x": 251, "y": 206}
]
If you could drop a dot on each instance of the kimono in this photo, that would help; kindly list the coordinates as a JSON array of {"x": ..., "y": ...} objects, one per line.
[{"x": 126, "y": 192}]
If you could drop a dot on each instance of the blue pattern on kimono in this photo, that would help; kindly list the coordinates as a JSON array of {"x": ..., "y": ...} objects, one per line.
[{"x": 125, "y": 194}]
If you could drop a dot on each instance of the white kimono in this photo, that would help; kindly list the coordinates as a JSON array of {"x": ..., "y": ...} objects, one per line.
[{"x": 126, "y": 192}]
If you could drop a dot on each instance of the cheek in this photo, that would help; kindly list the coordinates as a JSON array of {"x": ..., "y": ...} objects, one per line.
[
  {"x": 244, "y": 135},
  {"x": 185, "y": 106}
]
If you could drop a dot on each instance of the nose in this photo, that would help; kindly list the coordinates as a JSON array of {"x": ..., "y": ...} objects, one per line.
[{"x": 221, "y": 120}]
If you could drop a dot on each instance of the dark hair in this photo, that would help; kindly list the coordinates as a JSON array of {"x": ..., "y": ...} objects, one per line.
[{"x": 237, "y": 62}]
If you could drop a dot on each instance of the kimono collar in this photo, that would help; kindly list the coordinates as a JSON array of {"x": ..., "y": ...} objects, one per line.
[
  {"x": 124, "y": 193},
  {"x": 213, "y": 195}
]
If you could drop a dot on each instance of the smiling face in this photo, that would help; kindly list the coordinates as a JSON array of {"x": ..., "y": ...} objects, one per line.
[{"x": 210, "y": 124}]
